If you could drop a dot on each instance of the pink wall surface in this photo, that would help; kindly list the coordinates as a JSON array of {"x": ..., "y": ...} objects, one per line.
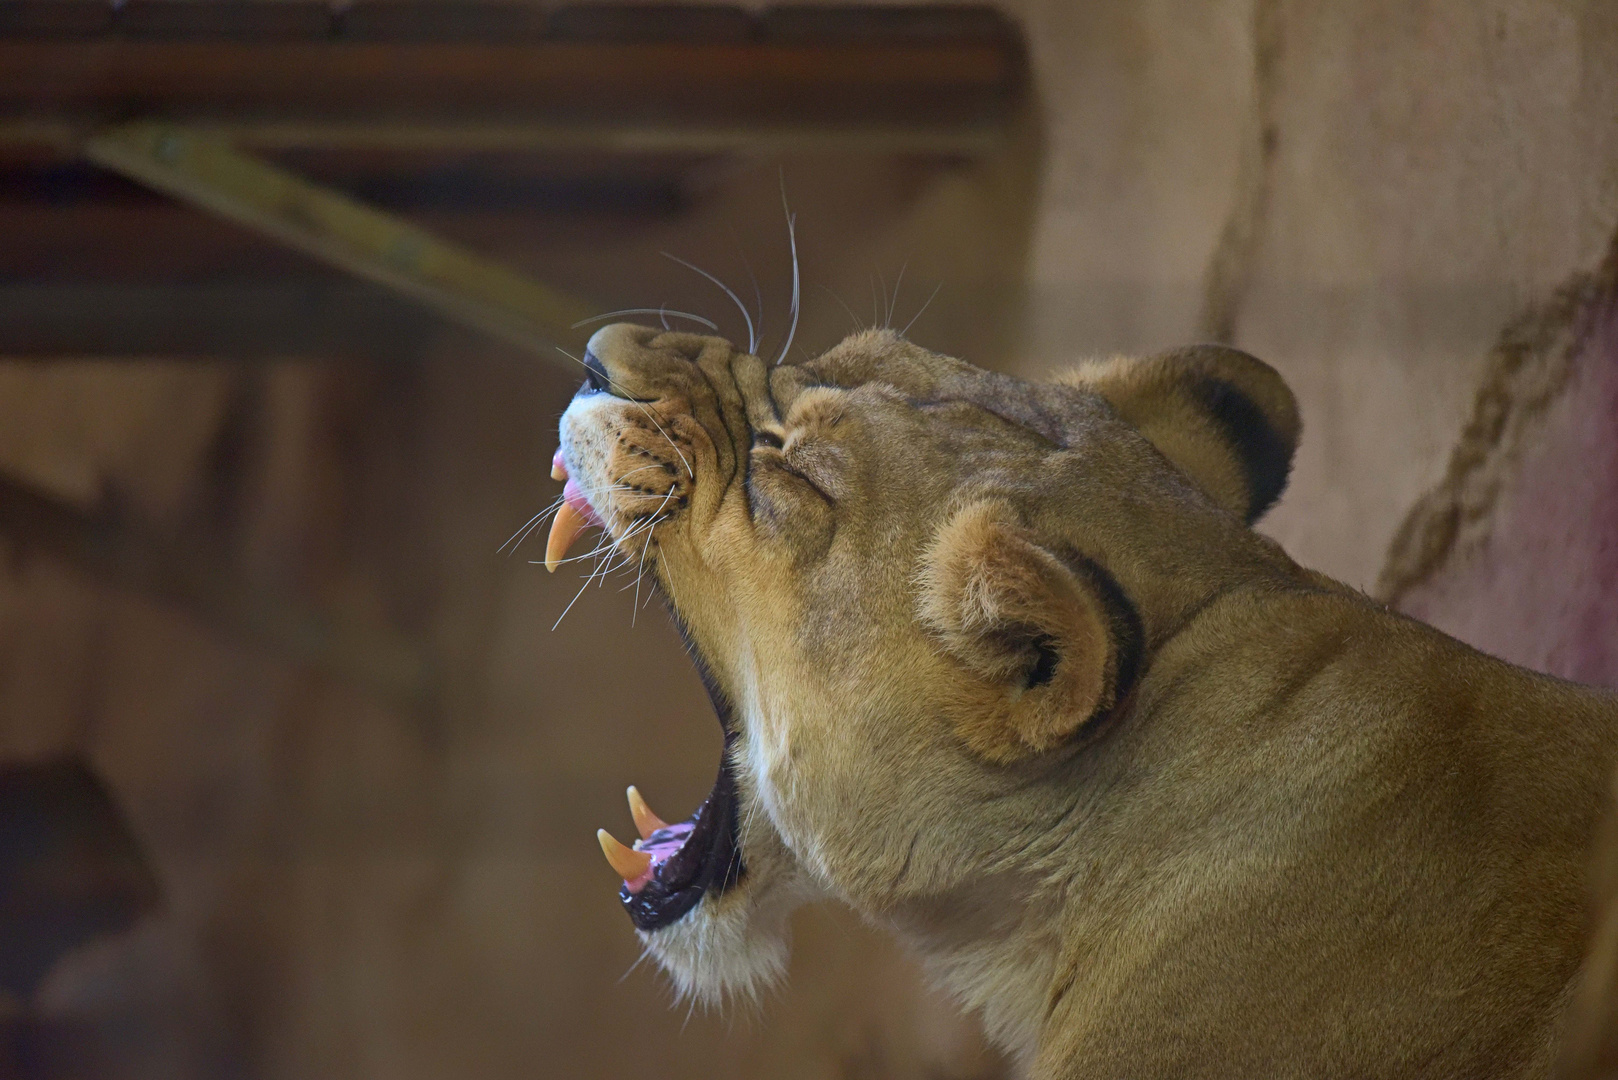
[{"x": 1531, "y": 573}]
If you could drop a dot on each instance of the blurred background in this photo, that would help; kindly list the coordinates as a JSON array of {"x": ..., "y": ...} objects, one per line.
[{"x": 299, "y": 774}]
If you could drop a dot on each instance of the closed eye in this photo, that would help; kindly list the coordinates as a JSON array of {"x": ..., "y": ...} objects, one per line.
[
  {"x": 766, "y": 438},
  {"x": 772, "y": 458}
]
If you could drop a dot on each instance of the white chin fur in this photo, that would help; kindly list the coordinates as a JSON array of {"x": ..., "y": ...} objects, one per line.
[
  {"x": 712, "y": 957},
  {"x": 726, "y": 948}
]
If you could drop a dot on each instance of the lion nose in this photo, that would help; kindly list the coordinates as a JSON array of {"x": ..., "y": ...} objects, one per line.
[{"x": 616, "y": 345}]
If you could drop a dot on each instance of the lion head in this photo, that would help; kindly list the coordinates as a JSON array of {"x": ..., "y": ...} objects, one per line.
[{"x": 923, "y": 597}]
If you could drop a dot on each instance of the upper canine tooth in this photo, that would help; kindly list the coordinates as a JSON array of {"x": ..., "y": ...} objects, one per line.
[
  {"x": 558, "y": 467},
  {"x": 565, "y": 528},
  {"x": 628, "y": 863},
  {"x": 646, "y": 822}
]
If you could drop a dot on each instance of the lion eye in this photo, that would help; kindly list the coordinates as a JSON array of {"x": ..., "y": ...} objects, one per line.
[{"x": 766, "y": 438}]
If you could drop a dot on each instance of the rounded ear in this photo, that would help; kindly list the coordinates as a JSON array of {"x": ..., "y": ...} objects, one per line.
[
  {"x": 1050, "y": 637},
  {"x": 1226, "y": 418}
]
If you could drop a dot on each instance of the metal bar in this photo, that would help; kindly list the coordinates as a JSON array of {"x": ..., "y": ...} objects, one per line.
[
  {"x": 208, "y": 172},
  {"x": 124, "y": 554}
]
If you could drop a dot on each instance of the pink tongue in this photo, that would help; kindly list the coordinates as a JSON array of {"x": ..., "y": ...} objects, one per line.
[
  {"x": 662, "y": 845},
  {"x": 573, "y": 495}
]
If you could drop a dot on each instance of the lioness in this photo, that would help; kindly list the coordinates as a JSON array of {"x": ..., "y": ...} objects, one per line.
[{"x": 1003, "y": 666}]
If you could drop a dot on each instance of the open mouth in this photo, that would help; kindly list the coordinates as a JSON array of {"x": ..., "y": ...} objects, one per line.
[{"x": 670, "y": 867}]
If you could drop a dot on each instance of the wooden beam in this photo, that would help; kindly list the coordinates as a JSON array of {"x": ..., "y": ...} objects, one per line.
[
  {"x": 125, "y": 555},
  {"x": 766, "y": 136},
  {"x": 449, "y": 279},
  {"x": 209, "y": 321},
  {"x": 497, "y": 75}
]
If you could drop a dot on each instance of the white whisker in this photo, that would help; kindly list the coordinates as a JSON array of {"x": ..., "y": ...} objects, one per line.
[
  {"x": 758, "y": 295},
  {"x": 641, "y": 959},
  {"x": 917, "y": 315},
  {"x": 517, "y": 537},
  {"x": 792, "y": 240},
  {"x": 893, "y": 305},
  {"x": 640, "y": 571},
  {"x": 570, "y": 604},
  {"x": 522, "y": 534},
  {"x": 643, "y": 468},
  {"x": 640, "y": 575},
  {"x": 619, "y": 552},
  {"x": 664, "y": 312},
  {"x": 853, "y": 319},
  {"x": 591, "y": 554},
  {"x": 752, "y": 335}
]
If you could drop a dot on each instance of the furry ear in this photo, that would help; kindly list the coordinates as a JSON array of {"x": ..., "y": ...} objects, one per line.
[
  {"x": 1052, "y": 638},
  {"x": 1224, "y": 417}
]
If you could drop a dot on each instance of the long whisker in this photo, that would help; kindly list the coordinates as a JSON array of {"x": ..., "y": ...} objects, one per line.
[
  {"x": 594, "y": 552},
  {"x": 602, "y": 544},
  {"x": 853, "y": 319},
  {"x": 917, "y": 315},
  {"x": 893, "y": 305},
  {"x": 641, "y": 959},
  {"x": 640, "y": 575},
  {"x": 534, "y": 522},
  {"x": 606, "y": 540},
  {"x": 758, "y": 295},
  {"x": 709, "y": 323},
  {"x": 570, "y": 604},
  {"x": 538, "y": 519},
  {"x": 625, "y": 557},
  {"x": 527, "y": 527},
  {"x": 640, "y": 571},
  {"x": 752, "y": 335},
  {"x": 619, "y": 551},
  {"x": 792, "y": 239}
]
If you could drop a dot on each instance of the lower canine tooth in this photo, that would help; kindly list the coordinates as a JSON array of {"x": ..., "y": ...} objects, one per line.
[
  {"x": 565, "y": 528},
  {"x": 646, "y": 822},
  {"x": 627, "y": 863}
]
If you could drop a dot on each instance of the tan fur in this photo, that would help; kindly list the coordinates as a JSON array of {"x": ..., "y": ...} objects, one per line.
[
  {"x": 989, "y": 594},
  {"x": 1013, "y": 677}
]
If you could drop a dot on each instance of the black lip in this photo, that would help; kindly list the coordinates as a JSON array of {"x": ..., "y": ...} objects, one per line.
[
  {"x": 710, "y": 860},
  {"x": 595, "y": 372}
]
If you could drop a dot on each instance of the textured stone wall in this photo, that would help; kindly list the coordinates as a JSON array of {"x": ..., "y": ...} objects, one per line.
[
  {"x": 1516, "y": 550},
  {"x": 1361, "y": 193}
]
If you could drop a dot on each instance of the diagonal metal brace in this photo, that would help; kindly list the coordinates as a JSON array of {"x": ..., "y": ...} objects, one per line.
[{"x": 206, "y": 171}]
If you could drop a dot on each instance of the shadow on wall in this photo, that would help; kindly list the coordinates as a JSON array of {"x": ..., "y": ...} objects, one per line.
[{"x": 70, "y": 872}]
